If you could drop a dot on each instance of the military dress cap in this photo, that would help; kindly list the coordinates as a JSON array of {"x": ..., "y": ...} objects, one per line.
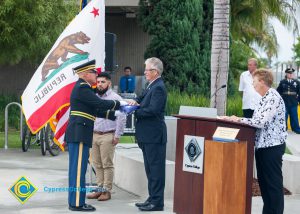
[
  {"x": 289, "y": 70},
  {"x": 90, "y": 65}
]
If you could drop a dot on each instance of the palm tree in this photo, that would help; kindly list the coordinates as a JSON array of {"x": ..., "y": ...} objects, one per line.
[
  {"x": 250, "y": 21},
  {"x": 220, "y": 55}
]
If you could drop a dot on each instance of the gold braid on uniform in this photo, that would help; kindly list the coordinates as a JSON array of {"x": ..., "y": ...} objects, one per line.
[
  {"x": 107, "y": 113},
  {"x": 86, "y": 68},
  {"x": 83, "y": 114},
  {"x": 84, "y": 83},
  {"x": 115, "y": 103}
]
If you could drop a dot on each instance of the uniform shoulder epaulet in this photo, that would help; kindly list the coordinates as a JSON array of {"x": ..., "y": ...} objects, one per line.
[{"x": 84, "y": 85}]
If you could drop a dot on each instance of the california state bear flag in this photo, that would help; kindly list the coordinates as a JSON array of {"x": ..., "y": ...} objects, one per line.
[{"x": 50, "y": 87}]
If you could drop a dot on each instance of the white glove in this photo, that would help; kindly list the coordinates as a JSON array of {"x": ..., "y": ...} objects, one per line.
[
  {"x": 123, "y": 103},
  {"x": 119, "y": 113}
]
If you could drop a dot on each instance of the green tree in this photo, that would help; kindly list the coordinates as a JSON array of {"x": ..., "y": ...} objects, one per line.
[
  {"x": 297, "y": 51},
  {"x": 28, "y": 28},
  {"x": 250, "y": 21},
  {"x": 180, "y": 39}
]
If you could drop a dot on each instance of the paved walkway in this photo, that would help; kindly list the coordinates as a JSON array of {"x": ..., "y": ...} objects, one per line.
[{"x": 47, "y": 171}]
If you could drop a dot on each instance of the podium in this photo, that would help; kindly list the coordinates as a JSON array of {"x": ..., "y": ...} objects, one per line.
[{"x": 225, "y": 186}]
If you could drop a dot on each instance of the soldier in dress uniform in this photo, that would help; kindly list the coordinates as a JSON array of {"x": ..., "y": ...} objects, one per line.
[
  {"x": 85, "y": 107},
  {"x": 289, "y": 89}
]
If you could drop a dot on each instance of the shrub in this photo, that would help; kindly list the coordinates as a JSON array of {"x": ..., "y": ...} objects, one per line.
[{"x": 177, "y": 99}]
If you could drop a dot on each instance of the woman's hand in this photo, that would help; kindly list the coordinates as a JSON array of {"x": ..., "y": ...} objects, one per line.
[
  {"x": 231, "y": 118},
  {"x": 235, "y": 118}
]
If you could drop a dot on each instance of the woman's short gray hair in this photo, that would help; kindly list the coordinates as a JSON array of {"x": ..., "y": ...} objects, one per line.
[
  {"x": 264, "y": 75},
  {"x": 156, "y": 64}
]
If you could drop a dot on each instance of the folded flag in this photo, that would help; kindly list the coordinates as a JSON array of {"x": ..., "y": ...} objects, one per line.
[{"x": 128, "y": 109}]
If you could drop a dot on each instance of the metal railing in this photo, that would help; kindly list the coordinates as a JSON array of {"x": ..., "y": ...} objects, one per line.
[{"x": 6, "y": 122}]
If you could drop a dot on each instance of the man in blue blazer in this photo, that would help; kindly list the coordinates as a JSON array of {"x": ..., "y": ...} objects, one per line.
[{"x": 151, "y": 134}]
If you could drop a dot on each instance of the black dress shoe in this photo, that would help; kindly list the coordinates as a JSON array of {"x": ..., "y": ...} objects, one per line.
[
  {"x": 151, "y": 207},
  {"x": 84, "y": 208},
  {"x": 142, "y": 204}
]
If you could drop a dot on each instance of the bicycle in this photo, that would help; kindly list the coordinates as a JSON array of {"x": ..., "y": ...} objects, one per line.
[
  {"x": 51, "y": 146},
  {"x": 43, "y": 138}
]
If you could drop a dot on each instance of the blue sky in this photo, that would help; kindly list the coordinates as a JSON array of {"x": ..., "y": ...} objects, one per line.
[{"x": 285, "y": 40}]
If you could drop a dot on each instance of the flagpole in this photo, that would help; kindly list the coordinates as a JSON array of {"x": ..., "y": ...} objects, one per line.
[{"x": 83, "y": 3}]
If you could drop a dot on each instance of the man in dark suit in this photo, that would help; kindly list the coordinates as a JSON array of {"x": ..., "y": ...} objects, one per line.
[
  {"x": 151, "y": 134},
  {"x": 85, "y": 107}
]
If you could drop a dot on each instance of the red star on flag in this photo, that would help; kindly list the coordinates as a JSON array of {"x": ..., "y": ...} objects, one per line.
[{"x": 95, "y": 12}]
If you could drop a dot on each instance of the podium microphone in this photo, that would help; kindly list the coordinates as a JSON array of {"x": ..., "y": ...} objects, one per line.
[{"x": 223, "y": 86}]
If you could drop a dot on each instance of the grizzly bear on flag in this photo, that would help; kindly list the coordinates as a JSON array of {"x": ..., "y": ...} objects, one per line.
[{"x": 66, "y": 45}]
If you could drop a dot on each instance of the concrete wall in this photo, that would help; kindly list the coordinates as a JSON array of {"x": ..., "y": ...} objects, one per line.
[
  {"x": 130, "y": 46},
  {"x": 14, "y": 79},
  {"x": 291, "y": 173},
  {"x": 129, "y": 165},
  {"x": 130, "y": 172},
  {"x": 171, "y": 123}
]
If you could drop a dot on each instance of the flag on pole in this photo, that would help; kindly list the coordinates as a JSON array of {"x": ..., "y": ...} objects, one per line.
[
  {"x": 59, "y": 122},
  {"x": 83, "y": 3},
  {"x": 49, "y": 90}
]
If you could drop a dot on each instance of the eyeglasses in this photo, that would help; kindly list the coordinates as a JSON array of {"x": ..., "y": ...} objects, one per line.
[{"x": 152, "y": 69}]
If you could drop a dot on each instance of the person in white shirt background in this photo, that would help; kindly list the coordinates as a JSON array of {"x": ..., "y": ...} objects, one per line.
[{"x": 250, "y": 96}]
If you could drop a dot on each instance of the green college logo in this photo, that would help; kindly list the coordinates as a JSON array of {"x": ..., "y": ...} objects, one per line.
[{"x": 22, "y": 189}]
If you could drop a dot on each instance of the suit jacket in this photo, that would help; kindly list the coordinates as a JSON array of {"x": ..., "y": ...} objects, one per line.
[
  {"x": 150, "y": 123},
  {"x": 85, "y": 106}
]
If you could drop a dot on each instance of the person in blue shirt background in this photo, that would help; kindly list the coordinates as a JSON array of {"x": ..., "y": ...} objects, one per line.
[{"x": 127, "y": 82}]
